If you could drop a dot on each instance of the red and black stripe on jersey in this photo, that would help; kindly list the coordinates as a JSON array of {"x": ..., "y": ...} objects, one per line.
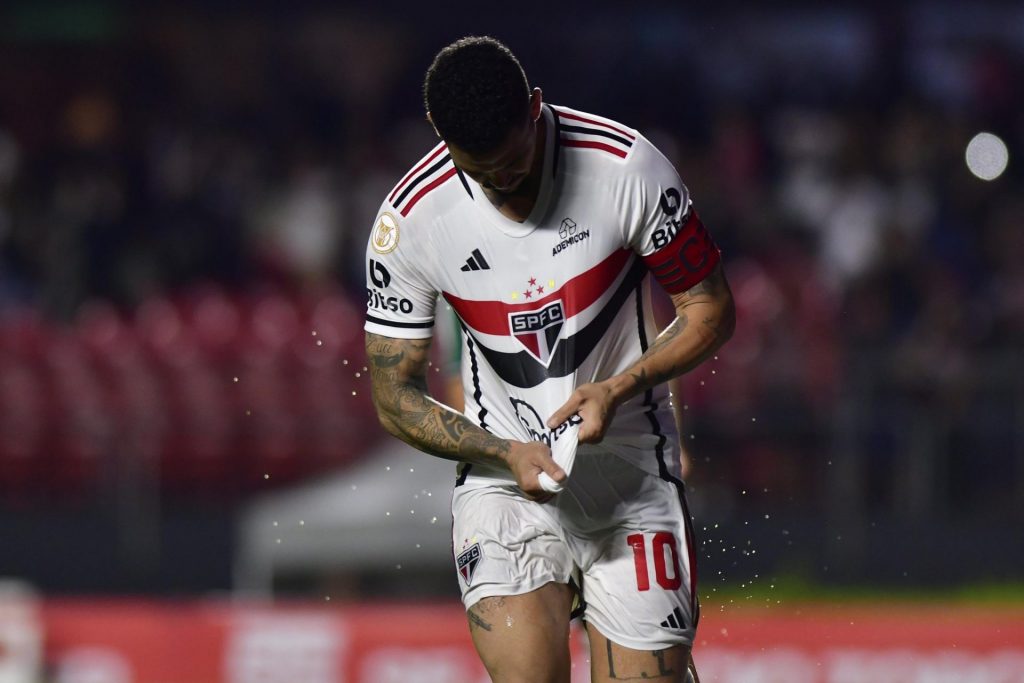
[
  {"x": 575, "y": 130},
  {"x": 433, "y": 171},
  {"x": 521, "y": 369}
]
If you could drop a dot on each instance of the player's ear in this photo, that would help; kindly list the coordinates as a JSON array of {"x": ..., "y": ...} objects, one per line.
[
  {"x": 432, "y": 124},
  {"x": 536, "y": 103}
]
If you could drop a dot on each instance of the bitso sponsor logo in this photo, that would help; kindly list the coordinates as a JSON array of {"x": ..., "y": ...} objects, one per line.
[
  {"x": 570, "y": 234},
  {"x": 383, "y": 302},
  {"x": 381, "y": 278},
  {"x": 385, "y": 234},
  {"x": 538, "y": 431},
  {"x": 379, "y": 275}
]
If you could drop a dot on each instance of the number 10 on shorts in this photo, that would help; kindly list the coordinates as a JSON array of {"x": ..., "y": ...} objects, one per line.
[{"x": 666, "y": 560}]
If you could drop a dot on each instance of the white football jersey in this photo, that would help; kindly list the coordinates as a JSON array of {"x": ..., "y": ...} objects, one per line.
[{"x": 554, "y": 302}]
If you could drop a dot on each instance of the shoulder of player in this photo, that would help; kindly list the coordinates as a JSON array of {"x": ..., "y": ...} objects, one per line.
[
  {"x": 596, "y": 137},
  {"x": 431, "y": 176}
]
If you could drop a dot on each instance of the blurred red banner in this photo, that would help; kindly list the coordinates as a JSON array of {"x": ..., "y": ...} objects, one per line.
[{"x": 127, "y": 641}]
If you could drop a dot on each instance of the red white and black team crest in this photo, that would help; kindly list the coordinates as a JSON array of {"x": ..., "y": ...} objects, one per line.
[
  {"x": 467, "y": 561},
  {"x": 538, "y": 330}
]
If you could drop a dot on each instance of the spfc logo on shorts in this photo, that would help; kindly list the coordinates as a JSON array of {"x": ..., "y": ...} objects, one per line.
[
  {"x": 467, "y": 561},
  {"x": 538, "y": 330}
]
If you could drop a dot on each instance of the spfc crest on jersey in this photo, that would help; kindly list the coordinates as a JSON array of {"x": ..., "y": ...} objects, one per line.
[
  {"x": 538, "y": 330},
  {"x": 467, "y": 561}
]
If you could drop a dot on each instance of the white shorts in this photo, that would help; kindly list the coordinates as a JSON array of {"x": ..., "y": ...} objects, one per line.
[{"x": 624, "y": 532}]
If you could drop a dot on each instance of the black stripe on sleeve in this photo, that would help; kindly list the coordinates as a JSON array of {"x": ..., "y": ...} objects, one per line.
[
  {"x": 392, "y": 323},
  {"x": 420, "y": 178},
  {"x": 597, "y": 131}
]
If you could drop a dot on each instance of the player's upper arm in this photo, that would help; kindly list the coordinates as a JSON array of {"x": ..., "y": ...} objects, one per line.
[
  {"x": 662, "y": 225},
  {"x": 399, "y": 296},
  {"x": 394, "y": 361}
]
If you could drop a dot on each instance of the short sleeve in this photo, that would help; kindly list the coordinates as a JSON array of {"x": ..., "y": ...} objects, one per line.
[
  {"x": 664, "y": 227},
  {"x": 399, "y": 298}
]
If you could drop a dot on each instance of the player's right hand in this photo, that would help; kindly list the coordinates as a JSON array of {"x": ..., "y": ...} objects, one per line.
[{"x": 527, "y": 461}]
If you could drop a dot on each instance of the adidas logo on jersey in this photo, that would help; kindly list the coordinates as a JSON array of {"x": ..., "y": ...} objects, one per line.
[
  {"x": 674, "y": 620},
  {"x": 475, "y": 262}
]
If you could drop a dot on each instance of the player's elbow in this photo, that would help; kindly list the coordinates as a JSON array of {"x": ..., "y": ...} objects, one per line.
[
  {"x": 727, "y": 317},
  {"x": 384, "y": 411}
]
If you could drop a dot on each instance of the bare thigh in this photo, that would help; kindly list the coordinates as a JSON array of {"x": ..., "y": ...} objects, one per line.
[
  {"x": 611, "y": 662},
  {"x": 524, "y": 638}
]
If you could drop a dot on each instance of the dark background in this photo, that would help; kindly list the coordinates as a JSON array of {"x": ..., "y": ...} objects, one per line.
[{"x": 186, "y": 190}]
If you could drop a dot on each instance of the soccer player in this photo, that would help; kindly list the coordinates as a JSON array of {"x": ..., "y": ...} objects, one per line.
[{"x": 539, "y": 225}]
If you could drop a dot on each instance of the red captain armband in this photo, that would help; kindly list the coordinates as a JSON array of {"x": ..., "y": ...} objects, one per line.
[{"x": 685, "y": 254}]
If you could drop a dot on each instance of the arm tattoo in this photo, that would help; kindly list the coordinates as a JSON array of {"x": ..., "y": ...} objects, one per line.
[
  {"x": 398, "y": 370},
  {"x": 711, "y": 299}
]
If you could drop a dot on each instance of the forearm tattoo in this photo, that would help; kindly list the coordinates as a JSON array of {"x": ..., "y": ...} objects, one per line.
[
  {"x": 707, "y": 337},
  {"x": 398, "y": 372}
]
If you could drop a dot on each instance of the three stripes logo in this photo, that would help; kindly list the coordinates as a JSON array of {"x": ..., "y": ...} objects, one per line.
[
  {"x": 475, "y": 262},
  {"x": 675, "y": 620}
]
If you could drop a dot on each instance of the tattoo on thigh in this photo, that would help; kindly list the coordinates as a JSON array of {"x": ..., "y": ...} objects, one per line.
[
  {"x": 645, "y": 673},
  {"x": 477, "y": 621}
]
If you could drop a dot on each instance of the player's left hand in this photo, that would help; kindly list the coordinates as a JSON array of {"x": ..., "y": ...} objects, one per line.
[{"x": 595, "y": 405}]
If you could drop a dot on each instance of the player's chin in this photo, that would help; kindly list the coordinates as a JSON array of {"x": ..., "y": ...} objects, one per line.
[{"x": 511, "y": 188}]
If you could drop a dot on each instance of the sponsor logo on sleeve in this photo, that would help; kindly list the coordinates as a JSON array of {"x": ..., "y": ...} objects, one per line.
[
  {"x": 385, "y": 234},
  {"x": 671, "y": 201},
  {"x": 379, "y": 275},
  {"x": 376, "y": 299}
]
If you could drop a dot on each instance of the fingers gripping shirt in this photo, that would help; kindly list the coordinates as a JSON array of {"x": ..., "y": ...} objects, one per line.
[{"x": 555, "y": 301}]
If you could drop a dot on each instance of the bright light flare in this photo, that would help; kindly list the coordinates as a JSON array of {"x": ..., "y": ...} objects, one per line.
[{"x": 987, "y": 156}]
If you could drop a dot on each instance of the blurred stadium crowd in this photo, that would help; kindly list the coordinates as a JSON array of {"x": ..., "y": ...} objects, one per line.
[{"x": 185, "y": 195}]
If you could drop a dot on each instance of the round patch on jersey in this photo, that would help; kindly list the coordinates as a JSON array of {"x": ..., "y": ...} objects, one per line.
[{"x": 385, "y": 234}]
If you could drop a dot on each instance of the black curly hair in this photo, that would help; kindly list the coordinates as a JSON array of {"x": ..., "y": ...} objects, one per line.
[{"x": 476, "y": 93}]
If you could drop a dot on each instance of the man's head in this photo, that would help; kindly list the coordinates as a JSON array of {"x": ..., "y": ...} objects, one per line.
[{"x": 480, "y": 103}]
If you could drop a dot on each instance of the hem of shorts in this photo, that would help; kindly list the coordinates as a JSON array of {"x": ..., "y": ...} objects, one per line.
[
  {"x": 633, "y": 644},
  {"x": 505, "y": 591}
]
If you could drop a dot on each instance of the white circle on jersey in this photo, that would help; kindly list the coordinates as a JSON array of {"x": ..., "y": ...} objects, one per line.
[{"x": 385, "y": 234}]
